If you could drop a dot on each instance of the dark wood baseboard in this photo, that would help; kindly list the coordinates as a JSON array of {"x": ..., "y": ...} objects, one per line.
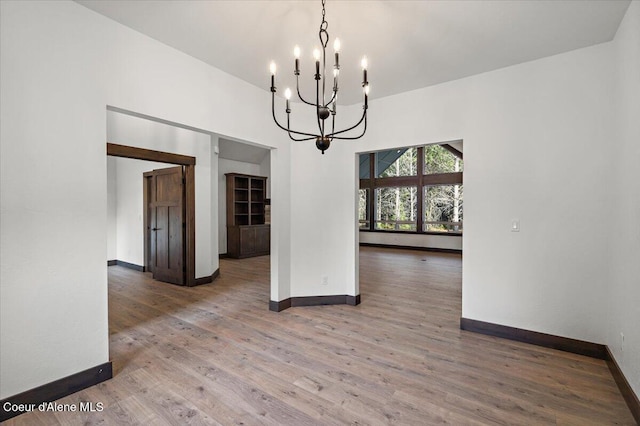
[
  {"x": 126, "y": 265},
  {"x": 223, "y": 256},
  {"x": 279, "y": 306},
  {"x": 625, "y": 388},
  {"x": 580, "y": 347},
  {"x": 58, "y": 389},
  {"x": 353, "y": 300},
  {"x": 435, "y": 249},
  {"x": 338, "y": 299},
  {"x": 207, "y": 279}
]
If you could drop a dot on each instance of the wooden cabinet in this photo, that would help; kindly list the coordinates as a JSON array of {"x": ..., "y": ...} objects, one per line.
[
  {"x": 248, "y": 240},
  {"x": 247, "y": 233}
]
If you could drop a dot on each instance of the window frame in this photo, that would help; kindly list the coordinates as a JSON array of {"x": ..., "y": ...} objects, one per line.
[{"x": 420, "y": 181}]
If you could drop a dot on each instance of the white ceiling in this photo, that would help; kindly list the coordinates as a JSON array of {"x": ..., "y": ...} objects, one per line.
[
  {"x": 410, "y": 44},
  {"x": 238, "y": 151}
]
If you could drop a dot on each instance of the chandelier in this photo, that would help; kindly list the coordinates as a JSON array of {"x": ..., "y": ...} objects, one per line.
[{"x": 324, "y": 108}]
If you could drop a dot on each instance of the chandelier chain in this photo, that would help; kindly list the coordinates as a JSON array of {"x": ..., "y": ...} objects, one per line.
[{"x": 323, "y": 34}]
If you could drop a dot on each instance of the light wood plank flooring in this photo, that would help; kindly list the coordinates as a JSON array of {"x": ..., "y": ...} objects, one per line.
[{"x": 214, "y": 354}]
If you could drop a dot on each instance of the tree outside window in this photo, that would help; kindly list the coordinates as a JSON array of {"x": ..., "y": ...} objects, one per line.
[
  {"x": 438, "y": 160},
  {"x": 426, "y": 179},
  {"x": 396, "y": 208},
  {"x": 363, "y": 210},
  {"x": 443, "y": 208},
  {"x": 397, "y": 162}
]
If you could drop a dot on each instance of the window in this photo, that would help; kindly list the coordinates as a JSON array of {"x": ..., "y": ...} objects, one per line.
[
  {"x": 438, "y": 159},
  {"x": 443, "y": 208},
  {"x": 364, "y": 166},
  {"x": 363, "y": 209},
  {"x": 397, "y": 198},
  {"x": 397, "y": 162},
  {"x": 396, "y": 208}
]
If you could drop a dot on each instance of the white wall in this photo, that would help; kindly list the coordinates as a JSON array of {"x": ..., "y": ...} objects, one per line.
[
  {"x": 61, "y": 66},
  {"x": 129, "y": 208},
  {"x": 534, "y": 137},
  {"x": 623, "y": 221},
  {"x": 532, "y": 134},
  {"x": 112, "y": 212},
  {"x": 230, "y": 166},
  {"x": 324, "y": 219},
  {"x": 280, "y": 224},
  {"x": 265, "y": 170},
  {"x": 412, "y": 240},
  {"x": 142, "y": 133}
]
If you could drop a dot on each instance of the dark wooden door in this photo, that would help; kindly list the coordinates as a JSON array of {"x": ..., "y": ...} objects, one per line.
[{"x": 167, "y": 225}]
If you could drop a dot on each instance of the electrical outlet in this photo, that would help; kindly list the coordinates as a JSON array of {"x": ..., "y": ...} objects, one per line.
[
  {"x": 325, "y": 280},
  {"x": 515, "y": 225}
]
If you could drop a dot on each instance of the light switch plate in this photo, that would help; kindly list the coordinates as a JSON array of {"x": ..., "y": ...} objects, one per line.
[{"x": 515, "y": 225}]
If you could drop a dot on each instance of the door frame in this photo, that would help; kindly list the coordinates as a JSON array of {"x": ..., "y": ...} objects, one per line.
[{"x": 189, "y": 163}]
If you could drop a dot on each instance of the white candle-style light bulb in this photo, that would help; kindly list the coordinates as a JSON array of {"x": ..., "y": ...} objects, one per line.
[
  {"x": 364, "y": 63},
  {"x": 296, "y": 52},
  {"x": 336, "y": 47},
  {"x": 316, "y": 54},
  {"x": 336, "y": 72},
  {"x": 366, "y": 95},
  {"x": 287, "y": 94},
  {"x": 272, "y": 68}
]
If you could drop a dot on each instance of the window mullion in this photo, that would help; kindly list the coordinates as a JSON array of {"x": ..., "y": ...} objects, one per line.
[
  {"x": 420, "y": 190},
  {"x": 371, "y": 199}
]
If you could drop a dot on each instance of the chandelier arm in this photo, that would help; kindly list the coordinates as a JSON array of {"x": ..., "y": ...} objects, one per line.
[
  {"x": 273, "y": 112},
  {"x": 296, "y": 132},
  {"x": 300, "y": 95},
  {"x": 332, "y": 99},
  {"x": 296, "y": 139},
  {"x": 333, "y": 123},
  {"x": 318, "y": 108},
  {"x": 354, "y": 137},
  {"x": 303, "y": 139},
  {"x": 324, "y": 60},
  {"x": 364, "y": 116}
]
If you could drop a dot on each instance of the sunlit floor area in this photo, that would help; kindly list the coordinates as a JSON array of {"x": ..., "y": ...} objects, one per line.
[{"x": 215, "y": 354}]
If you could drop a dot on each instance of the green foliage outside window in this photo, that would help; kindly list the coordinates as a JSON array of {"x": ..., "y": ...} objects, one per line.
[
  {"x": 363, "y": 214},
  {"x": 396, "y": 206},
  {"x": 439, "y": 160},
  {"x": 443, "y": 208}
]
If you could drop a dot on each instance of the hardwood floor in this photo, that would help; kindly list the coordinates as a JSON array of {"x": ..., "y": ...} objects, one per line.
[{"x": 214, "y": 354}]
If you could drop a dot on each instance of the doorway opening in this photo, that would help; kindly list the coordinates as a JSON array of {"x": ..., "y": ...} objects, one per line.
[
  {"x": 411, "y": 198},
  {"x": 170, "y": 211}
]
